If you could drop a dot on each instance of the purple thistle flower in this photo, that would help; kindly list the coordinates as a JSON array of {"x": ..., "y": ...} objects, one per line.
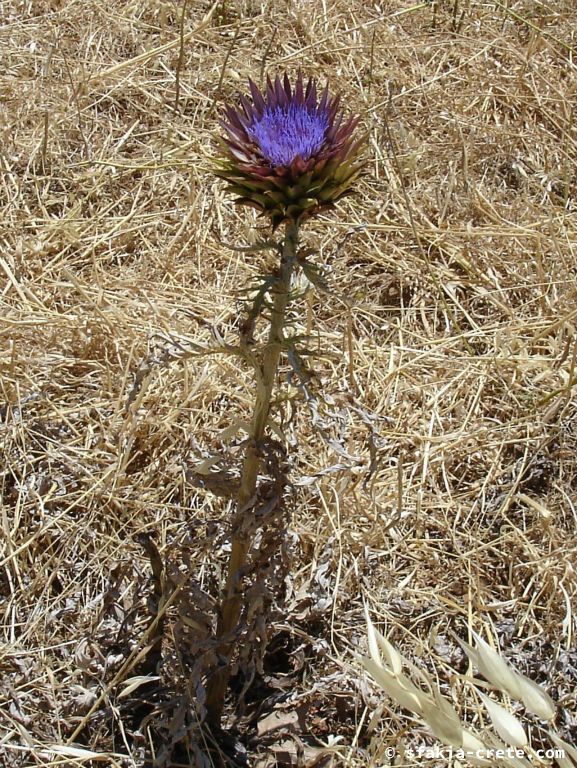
[
  {"x": 283, "y": 134},
  {"x": 287, "y": 153}
]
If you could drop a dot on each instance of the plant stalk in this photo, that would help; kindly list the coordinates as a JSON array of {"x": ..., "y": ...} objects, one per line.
[{"x": 231, "y": 605}]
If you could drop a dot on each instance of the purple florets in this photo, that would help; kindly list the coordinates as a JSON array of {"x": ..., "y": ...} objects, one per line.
[
  {"x": 283, "y": 133},
  {"x": 288, "y": 151}
]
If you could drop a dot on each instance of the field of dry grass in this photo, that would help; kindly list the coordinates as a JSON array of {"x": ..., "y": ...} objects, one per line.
[{"x": 437, "y": 479}]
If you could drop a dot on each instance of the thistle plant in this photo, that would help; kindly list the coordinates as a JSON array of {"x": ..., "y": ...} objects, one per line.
[{"x": 290, "y": 153}]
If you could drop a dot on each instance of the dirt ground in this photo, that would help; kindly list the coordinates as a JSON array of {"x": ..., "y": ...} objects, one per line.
[{"x": 433, "y": 475}]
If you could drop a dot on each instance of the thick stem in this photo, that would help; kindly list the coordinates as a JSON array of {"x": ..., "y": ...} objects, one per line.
[{"x": 231, "y": 606}]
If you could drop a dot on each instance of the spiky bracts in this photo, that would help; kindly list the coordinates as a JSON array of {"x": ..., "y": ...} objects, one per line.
[{"x": 287, "y": 153}]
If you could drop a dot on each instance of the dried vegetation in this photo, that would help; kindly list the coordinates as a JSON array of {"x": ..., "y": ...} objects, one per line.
[{"x": 437, "y": 476}]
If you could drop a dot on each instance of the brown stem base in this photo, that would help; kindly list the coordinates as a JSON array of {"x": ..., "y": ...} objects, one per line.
[{"x": 231, "y": 606}]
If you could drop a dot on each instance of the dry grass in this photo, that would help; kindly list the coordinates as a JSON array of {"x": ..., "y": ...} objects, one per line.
[{"x": 444, "y": 492}]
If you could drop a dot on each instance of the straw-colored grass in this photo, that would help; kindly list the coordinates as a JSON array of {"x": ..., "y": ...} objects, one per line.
[{"x": 441, "y": 486}]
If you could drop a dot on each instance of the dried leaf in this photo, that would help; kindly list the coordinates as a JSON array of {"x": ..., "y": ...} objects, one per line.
[
  {"x": 79, "y": 752},
  {"x": 204, "y": 467},
  {"x": 236, "y": 426},
  {"x": 83, "y": 700},
  {"x": 133, "y": 683},
  {"x": 294, "y": 752},
  {"x": 18, "y": 714},
  {"x": 276, "y": 720}
]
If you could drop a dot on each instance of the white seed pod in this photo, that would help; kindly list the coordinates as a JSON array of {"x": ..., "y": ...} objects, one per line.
[
  {"x": 505, "y": 723},
  {"x": 474, "y": 748},
  {"x": 569, "y": 757},
  {"x": 535, "y": 698},
  {"x": 492, "y": 666},
  {"x": 444, "y": 721},
  {"x": 381, "y": 649},
  {"x": 400, "y": 688}
]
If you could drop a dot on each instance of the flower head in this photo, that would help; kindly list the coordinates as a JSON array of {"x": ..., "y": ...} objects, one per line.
[{"x": 287, "y": 153}]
